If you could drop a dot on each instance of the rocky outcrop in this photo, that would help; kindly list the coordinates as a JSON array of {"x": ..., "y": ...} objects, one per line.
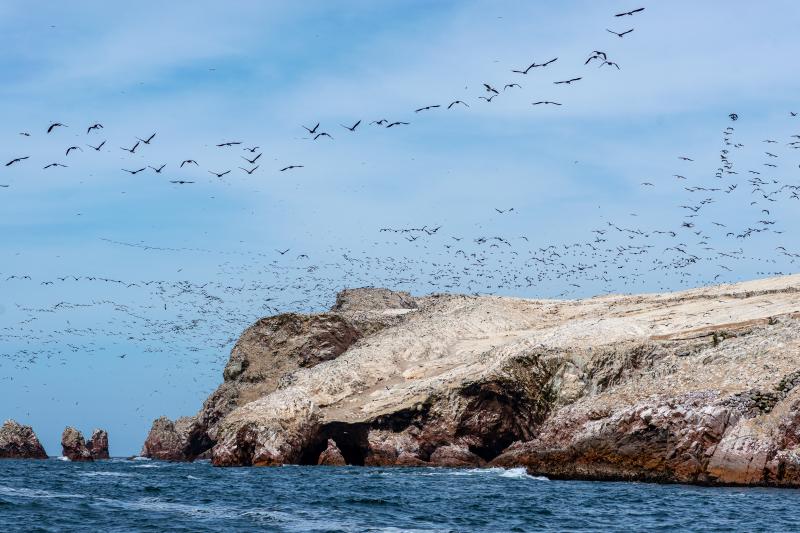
[
  {"x": 19, "y": 442},
  {"x": 168, "y": 440},
  {"x": 267, "y": 354},
  {"x": 73, "y": 446},
  {"x": 98, "y": 445},
  {"x": 694, "y": 387},
  {"x": 331, "y": 456}
]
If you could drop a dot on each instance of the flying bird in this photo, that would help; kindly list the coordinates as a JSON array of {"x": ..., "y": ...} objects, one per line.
[
  {"x": 351, "y": 128},
  {"x": 290, "y": 167},
  {"x": 398, "y": 123},
  {"x": 226, "y": 144},
  {"x": 219, "y": 174},
  {"x": 55, "y": 125},
  {"x": 147, "y": 141},
  {"x": 131, "y": 150},
  {"x": 426, "y": 108},
  {"x": 189, "y": 161},
  {"x": 457, "y": 102},
  {"x": 94, "y": 127},
  {"x": 54, "y": 165},
  {"x": 313, "y": 130},
  {"x": 159, "y": 169},
  {"x": 489, "y": 99},
  {"x": 17, "y": 160},
  {"x": 322, "y": 134},
  {"x": 490, "y": 89},
  {"x": 98, "y": 147},
  {"x": 181, "y": 182},
  {"x": 252, "y": 161},
  {"x": 71, "y": 148},
  {"x": 545, "y": 102},
  {"x": 567, "y": 81},
  {"x": 283, "y": 252},
  {"x": 510, "y": 85},
  {"x": 134, "y": 171},
  {"x": 620, "y": 35},
  {"x": 251, "y": 170},
  {"x": 629, "y": 13}
]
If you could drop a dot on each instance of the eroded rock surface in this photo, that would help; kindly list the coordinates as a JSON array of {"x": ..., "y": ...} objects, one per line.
[
  {"x": 331, "y": 456},
  {"x": 19, "y": 442},
  {"x": 699, "y": 386},
  {"x": 73, "y": 445},
  {"x": 98, "y": 444}
]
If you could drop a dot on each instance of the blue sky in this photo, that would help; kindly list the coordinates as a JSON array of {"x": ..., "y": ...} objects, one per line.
[{"x": 202, "y": 73}]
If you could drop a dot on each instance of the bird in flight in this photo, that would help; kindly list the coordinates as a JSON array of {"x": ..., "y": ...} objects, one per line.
[
  {"x": 426, "y": 108},
  {"x": 55, "y": 125},
  {"x": 189, "y": 161},
  {"x": 132, "y": 172},
  {"x": 219, "y": 174},
  {"x": 489, "y": 99},
  {"x": 25, "y": 134},
  {"x": 252, "y": 161},
  {"x": 71, "y": 148},
  {"x": 380, "y": 122},
  {"x": 501, "y": 211},
  {"x": 322, "y": 134},
  {"x": 457, "y": 102},
  {"x": 567, "y": 81},
  {"x": 629, "y": 13},
  {"x": 17, "y": 160},
  {"x": 290, "y": 167},
  {"x": 252, "y": 150},
  {"x": 159, "y": 169},
  {"x": 251, "y": 170},
  {"x": 490, "y": 89},
  {"x": 232, "y": 143},
  {"x": 94, "y": 127},
  {"x": 596, "y": 54},
  {"x": 620, "y": 35},
  {"x": 54, "y": 165},
  {"x": 510, "y": 85},
  {"x": 181, "y": 182},
  {"x": 545, "y": 102},
  {"x": 526, "y": 70},
  {"x": 313, "y": 130},
  {"x": 351, "y": 128},
  {"x": 147, "y": 141},
  {"x": 131, "y": 150},
  {"x": 283, "y": 252},
  {"x": 684, "y": 158},
  {"x": 610, "y": 63},
  {"x": 98, "y": 147},
  {"x": 398, "y": 123}
]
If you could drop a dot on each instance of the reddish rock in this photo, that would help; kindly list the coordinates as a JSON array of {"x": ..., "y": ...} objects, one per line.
[
  {"x": 331, "y": 456},
  {"x": 73, "y": 446},
  {"x": 168, "y": 440},
  {"x": 98, "y": 444},
  {"x": 19, "y": 442},
  {"x": 455, "y": 457}
]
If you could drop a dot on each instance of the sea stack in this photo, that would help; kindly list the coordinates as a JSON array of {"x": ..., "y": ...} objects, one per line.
[
  {"x": 98, "y": 444},
  {"x": 331, "y": 456},
  {"x": 73, "y": 446},
  {"x": 19, "y": 442}
]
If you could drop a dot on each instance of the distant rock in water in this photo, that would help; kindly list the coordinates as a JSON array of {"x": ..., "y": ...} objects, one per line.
[
  {"x": 19, "y": 442},
  {"x": 700, "y": 386},
  {"x": 73, "y": 446},
  {"x": 98, "y": 444},
  {"x": 332, "y": 456},
  {"x": 168, "y": 440}
]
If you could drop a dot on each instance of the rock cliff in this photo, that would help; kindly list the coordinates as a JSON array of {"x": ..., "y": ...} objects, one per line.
[
  {"x": 75, "y": 448},
  {"x": 19, "y": 442},
  {"x": 698, "y": 386}
]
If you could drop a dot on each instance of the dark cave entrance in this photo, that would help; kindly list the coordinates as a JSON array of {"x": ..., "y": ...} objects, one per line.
[{"x": 351, "y": 439}]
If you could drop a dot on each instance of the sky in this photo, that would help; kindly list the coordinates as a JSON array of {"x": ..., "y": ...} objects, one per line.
[{"x": 121, "y": 294}]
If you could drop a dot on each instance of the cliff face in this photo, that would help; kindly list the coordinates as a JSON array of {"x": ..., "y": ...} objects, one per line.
[
  {"x": 19, "y": 442},
  {"x": 698, "y": 386}
]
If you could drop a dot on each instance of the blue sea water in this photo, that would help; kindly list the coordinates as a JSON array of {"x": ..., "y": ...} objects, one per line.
[{"x": 129, "y": 495}]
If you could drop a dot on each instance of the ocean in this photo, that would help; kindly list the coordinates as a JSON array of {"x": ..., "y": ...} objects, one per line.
[{"x": 139, "y": 495}]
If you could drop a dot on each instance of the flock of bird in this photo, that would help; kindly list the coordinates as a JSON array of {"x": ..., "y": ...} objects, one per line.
[{"x": 180, "y": 316}]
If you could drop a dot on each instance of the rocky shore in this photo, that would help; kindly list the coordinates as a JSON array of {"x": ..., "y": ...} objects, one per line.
[{"x": 698, "y": 386}]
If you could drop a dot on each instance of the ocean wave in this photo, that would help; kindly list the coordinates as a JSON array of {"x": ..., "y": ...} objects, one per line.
[
  {"x": 105, "y": 474},
  {"x": 157, "y": 505},
  {"x": 35, "y": 493},
  {"x": 140, "y": 458}
]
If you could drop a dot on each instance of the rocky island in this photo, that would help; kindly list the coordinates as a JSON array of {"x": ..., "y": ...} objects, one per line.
[{"x": 699, "y": 386}]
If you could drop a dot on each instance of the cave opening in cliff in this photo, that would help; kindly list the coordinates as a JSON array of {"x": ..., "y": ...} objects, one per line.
[{"x": 351, "y": 439}]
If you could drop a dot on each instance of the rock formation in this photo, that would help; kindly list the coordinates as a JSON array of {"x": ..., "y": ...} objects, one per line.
[
  {"x": 331, "y": 456},
  {"x": 699, "y": 386},
  {"x": 73, "y": 446},
  {"x": 98, "y": 445},
  {"x": 19, "y": 442}
]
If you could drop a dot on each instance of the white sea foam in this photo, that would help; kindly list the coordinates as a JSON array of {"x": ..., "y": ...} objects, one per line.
[
  {"x": 105, "y": 474},
  {"x": 151, "y": 465},
  {"x": 62, "y": 458},
  {"x": 35, "y": 493},
  {"x": 139, "y": 458}
]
